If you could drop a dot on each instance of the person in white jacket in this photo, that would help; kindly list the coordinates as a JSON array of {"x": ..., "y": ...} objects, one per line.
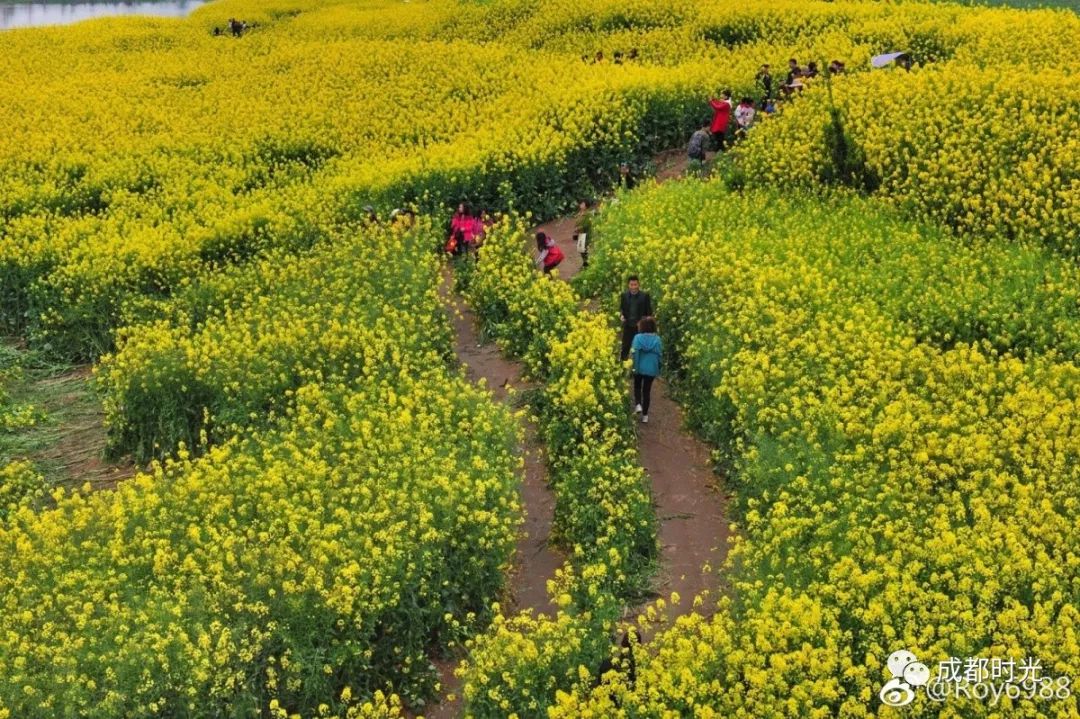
[{"x": 744, "y": 114}]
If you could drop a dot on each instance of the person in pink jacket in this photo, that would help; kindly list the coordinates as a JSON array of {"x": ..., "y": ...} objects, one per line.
[
  {"x": 476, "y": 230},
  {"x": 455, "y": 233},
  {"x": 463, "y": 229},
  {"x": 549, "y": 255}
]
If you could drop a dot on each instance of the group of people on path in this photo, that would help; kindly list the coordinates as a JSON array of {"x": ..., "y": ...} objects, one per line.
[
  {"x": 731, "y": 122},
  {"x": 550, "y": 255},
  {"x": 234, "y": 27},
  {"x": 618, "y": 58},
  {"x": 466, "y": 231},
  {"x": 721, "y": 132},
  {"x": 718, "y": 131},
  {"x": 798, "y": 77},
  {"x": 639, "y": 339},
  {"x": 467, "y": 228}
]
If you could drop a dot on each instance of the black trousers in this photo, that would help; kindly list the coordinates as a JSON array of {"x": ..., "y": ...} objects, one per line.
[
  {"x": 643, "y": 391},
  {"x": 629, "y": 331}
]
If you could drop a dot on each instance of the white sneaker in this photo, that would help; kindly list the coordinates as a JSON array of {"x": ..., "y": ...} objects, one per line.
[
  {"x": 637, "y": 409},
  {"x": 644, "y": 419}
]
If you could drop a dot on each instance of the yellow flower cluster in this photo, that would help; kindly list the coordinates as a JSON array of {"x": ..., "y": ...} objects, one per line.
[
  {"x": 20, "y": 485},
  {"x": 225, "y": 352},
  {"x": 380, "y": 706},
  {"x": 896, "y": 487},
  {"x": 337, "y": 547},
  {"x": 516, "y": 667},
  {"x": 20, "y": 482},
  {"x": 14, "y": 415},
  {"x": 986, "y": 151}
]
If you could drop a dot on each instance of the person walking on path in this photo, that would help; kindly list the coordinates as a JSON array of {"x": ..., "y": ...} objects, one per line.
[
  {"x": 582, "y": 230},
  {"x": 550, "y": 255},
  {"x": 646, "y": 350},
  {"x": 721, "y": 118},
  {"x": 633, "y": 306}
]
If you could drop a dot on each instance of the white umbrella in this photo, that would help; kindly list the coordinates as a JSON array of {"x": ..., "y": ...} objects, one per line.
[{"x": 883, "y": 60}]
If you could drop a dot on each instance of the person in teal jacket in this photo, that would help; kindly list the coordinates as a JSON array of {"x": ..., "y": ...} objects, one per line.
[{"x": 645, "y": 350}]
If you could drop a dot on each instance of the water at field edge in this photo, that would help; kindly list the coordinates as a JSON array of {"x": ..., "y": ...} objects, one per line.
[{"x": 30, "y": 14}]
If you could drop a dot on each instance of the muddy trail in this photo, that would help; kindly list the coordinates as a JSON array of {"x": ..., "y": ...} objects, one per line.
[
  {"x": 74, "y": 449},
  {"x": 689, "y": 503},
  {"x": 535, "y": 560}
]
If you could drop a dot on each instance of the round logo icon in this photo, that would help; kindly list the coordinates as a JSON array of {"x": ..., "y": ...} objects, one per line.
[
  {"x": 897, "y": 693},
  {"x": 907, "y": 672},
  {"x": 917, "y": 674}
]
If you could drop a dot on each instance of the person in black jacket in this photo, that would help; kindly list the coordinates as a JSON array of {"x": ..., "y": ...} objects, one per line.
[
  {"x": 633, "y": 305},
  {"x": 764, "y": 77}
]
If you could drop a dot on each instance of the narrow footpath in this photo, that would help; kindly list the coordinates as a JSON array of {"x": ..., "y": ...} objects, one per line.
[
  {"x": 535, "y": 560},
  {"x": 689, "y": 504}
]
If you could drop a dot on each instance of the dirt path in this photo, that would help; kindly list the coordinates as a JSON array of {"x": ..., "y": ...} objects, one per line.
[
  {"x": 690, "y": 505},
  {"x": 673, "y": 164},
  {"x": 694, "y": 530},
  {"x": 669, "y": 165},
  {"x": 535, "y": 559},
  {"x": 692, "y": 510},
  {"x": 76, "y": 447},
  {"x": 67, "y": 441}
]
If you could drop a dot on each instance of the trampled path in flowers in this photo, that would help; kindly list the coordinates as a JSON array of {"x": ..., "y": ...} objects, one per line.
[
  {"x": 694, "y": 528},
  {"x": 76, "y": 446},
  {"x": 67, "y": 440},
  {"x": 689, "y": 505},
  {"x": 535, "y": 558}
]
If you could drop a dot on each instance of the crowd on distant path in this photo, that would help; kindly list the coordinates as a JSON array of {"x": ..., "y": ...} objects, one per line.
[
  {"x": 234, "y": 27},
  {"x": 731, "y": 122},
  {"x": 617, "y": 59}
]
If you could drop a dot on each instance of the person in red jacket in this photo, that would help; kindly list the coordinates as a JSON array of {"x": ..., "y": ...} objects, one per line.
[{"x": 721, "y": 118}]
